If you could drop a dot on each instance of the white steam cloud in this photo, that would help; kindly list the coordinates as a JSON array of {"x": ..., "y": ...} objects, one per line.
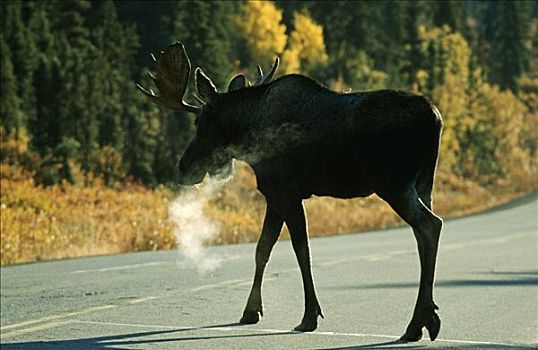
[{"x": 193, "y": 228}]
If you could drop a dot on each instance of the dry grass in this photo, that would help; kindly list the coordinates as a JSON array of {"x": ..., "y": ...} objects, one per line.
[
  {"x": 240, "y": 207},
  {"x": 42, "y": 223}
]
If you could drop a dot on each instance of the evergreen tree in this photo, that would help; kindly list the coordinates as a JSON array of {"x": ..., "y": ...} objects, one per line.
[
  {"x": 68, "y": 69},
  {"x": 507, "y": 59},
  {"x": 199, "y": 25},
  {"x": 45, "y": 128},
  {"x": 451, "y": 13},
  {"x": 21, "y": 43},
  {"x": 204, "y": 28},
  {"x": 152, "y": 29},
  {"x": 10, "y": 103},
  {"x": 171, "y": 144},
  {"x": 414, "y": 59},
  {"x": 225, "y": 32},
  {"x": 81, "y": 79},
  {"x": 143, "y": 129},
  {"x": 393, "y": 54},
  {"x": 208, "y": 51},
  {"x": 116, "y": 45}
]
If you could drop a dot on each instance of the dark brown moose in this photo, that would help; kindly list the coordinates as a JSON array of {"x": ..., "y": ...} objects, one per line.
[{"x": 302, "y": 139}]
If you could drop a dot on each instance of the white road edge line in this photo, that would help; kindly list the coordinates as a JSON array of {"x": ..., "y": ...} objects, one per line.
[
  {"x": 237, "y": 282},
  {"x": 180, "y": 264},
  {"x": 263, "y": 330},
  {"x": 104, "y": 307},
  {"x": 45, "y": 320},
  {"x": 122, "y": 267}
]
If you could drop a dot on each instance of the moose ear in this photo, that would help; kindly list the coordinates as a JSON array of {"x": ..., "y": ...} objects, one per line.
[
  {"x": 204, "y": 85},
  {"x": 237, "y": 82}
]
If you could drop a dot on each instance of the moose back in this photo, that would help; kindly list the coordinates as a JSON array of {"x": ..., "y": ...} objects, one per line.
[{"x": 302, "y": 139}]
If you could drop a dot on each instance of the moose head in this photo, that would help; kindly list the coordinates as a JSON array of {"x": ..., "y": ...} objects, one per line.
[{"x": 212, "y": 148}]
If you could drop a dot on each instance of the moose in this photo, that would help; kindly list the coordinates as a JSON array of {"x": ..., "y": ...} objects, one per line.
[{"x": 302, "y": 139}]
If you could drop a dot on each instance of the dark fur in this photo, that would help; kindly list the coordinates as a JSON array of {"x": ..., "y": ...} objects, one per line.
[{"x": 302, "y": 139}]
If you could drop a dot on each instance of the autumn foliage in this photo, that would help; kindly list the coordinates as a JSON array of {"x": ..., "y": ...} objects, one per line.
[
  {"x": 65, "y": 220},
  {"x": 88, "y": 165},
  {"x": 260, "y": 23}
]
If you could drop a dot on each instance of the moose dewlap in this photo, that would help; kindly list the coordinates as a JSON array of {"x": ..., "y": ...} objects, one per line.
[{"x": 302, "y": 139}]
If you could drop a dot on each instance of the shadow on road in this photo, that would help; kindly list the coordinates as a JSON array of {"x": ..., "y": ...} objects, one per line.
[
  {"x": 529, "y": 281},
  {"x": 394, "y": 344},
  {"x": 127, "y": 340},
  {"x": 528, "y": 272},
  {"x": 117, "y": 341},
  {"x": 397, "y": 345}
]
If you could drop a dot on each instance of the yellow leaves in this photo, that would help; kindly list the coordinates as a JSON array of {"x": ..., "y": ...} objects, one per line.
[
  {"x": 528, "y": 92},
  {"x": 449, "y": 77},
  {"x": 483, "y": 135},
  {"x": 16, "y": 173},
  {"x": 260, "y": 24},
  {"x": 494, "y": 147},
  {"x": 305, "y": 44},
  {"x": 109, "y": 161},
  {"x": 421, "y": 80},
  {"x": 291, "y": 62},
  {"x": 13, "y": 146},
  {"x": 66, "y": 221},
  {"x": 506, "y": 113},
  {"x": 449, "y": 52}
]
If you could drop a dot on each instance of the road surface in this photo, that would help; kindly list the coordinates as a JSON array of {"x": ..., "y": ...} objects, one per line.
[{"x": 486, "y": 287}]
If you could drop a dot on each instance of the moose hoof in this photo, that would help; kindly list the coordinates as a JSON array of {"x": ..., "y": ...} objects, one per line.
[
  {"x": 411, "y": 336},
  {"x": 433, "y": 326},
  {"x": 250, "y": 317},
  {"x": 307, "y": 325},
  {"x": 432, "y": 322}
]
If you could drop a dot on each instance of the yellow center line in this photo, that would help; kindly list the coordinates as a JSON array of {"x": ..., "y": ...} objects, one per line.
[
  {"x": 56, "y": 317},
  {"x": 51, "y": 321},
  {"x": 33, "y": 329}
]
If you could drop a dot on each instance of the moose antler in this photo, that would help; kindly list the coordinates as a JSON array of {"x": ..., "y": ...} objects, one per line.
[
  {"x": 171, "y": 76},
  {"x": 263, "y": 79}
]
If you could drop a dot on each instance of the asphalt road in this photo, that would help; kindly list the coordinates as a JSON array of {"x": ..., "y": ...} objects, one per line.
[{"x": 486, "y": 287}]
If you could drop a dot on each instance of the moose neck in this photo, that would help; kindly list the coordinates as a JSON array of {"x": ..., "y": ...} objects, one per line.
[{"x": 244, "y": 117}]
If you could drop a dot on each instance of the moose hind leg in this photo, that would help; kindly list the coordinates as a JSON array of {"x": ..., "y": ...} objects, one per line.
[
  {"x": 296, "y": 222},
  {"x": 272, "y": 226},
  {"x": 426, "y": 228}
]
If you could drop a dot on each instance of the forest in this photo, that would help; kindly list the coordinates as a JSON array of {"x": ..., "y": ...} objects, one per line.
[{"x": 77, "y": 137}]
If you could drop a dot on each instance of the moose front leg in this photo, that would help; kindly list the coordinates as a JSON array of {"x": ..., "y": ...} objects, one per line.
[
  {"x": 272, "y": 225},
  {"x": 296, "y": 222}
]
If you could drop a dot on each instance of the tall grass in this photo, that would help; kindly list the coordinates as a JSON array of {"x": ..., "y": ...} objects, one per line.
[{"x": 62, "y": 221}]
